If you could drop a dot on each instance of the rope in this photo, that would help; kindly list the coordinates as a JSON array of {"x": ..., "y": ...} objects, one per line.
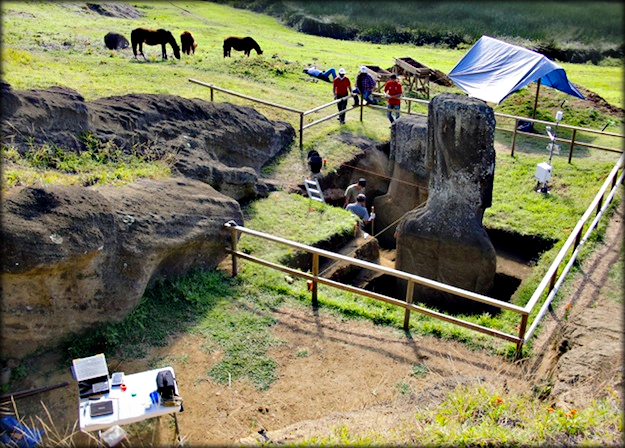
[
  {"x": 379, "y": 175},
  {"x": 420, "y": 206}
]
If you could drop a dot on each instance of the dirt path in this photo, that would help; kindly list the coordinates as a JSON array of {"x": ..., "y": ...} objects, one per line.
[
  {"x": 583, "y": 346},
  {"x": 334, "y": 372}
]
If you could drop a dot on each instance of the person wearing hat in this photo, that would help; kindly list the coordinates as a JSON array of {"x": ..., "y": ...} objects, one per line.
[
  {"x": 354, "y": 190},
  {"x": 393, "y": 90},
  {"x": 365, "y": 85},
  {"x": 359, "y": 209},
  {"x": 342, "y": 88}
]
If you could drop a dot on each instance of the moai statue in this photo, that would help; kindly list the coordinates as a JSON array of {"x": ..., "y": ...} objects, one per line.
[
  {"x": 445, "y": 240},
  {"x": 409, "y": 174}
]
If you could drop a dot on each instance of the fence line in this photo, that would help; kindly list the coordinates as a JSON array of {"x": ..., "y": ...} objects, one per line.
[
  {"x": 599, "y": 204},
  {"x": 572, "y": 142},
  {"x": 572, "y": 260},
  {"x": 574, "y": 239},
  {"x": 412, "y": 279}
]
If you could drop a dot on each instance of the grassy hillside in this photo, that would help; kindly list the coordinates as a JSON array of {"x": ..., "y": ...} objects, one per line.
[
  {"x": 570, "y": 31},
  {"x": 46, "y": 44}
]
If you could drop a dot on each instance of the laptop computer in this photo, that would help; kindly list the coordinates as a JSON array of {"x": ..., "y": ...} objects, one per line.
[{"x": 92, "y": 375}]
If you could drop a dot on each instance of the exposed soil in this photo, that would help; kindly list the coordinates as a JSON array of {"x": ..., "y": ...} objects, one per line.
[{"x": 334, "y": 372}]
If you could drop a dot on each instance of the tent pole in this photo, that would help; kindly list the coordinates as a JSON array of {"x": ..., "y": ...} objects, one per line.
[{"x": 536, "y": 99}]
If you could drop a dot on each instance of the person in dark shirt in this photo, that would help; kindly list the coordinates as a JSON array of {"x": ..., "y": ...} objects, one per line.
[{"x": 365, "y": 85}]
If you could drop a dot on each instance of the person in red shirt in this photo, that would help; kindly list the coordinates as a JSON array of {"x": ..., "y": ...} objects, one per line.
[
  {"x": 341, "y": 87},
  {"x": 393, "y": 90}
]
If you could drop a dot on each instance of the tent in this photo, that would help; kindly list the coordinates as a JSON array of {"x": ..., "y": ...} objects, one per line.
[{"x": 491, "y": 70}]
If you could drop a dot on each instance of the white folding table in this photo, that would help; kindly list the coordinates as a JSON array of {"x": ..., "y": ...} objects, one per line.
[{"x": 129, "y": 406}]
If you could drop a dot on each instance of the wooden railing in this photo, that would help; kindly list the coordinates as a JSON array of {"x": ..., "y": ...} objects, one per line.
[
  {"x": 575, "y": 241},
  {"x": 409, "y": 101},
  {"x": 411, "y": 280},
  {"x": 548, "y": 283}
]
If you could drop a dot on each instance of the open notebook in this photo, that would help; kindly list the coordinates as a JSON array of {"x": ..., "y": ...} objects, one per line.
[{"x": 92, "y": 375}]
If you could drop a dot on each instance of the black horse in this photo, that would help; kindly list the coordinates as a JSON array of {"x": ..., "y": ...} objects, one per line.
[
  {"x": 245, "y": 44},
  {"x": 187, "y": 42},
  {"x": 113, "y": 41},
  {"x": 140, "y": 36}
]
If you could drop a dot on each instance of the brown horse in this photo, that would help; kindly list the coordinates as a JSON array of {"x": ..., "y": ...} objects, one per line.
[
  {"x": 245, "y": 44},
  {"x": 140, "y": 36},
  {"x": 187, "y": 42}
]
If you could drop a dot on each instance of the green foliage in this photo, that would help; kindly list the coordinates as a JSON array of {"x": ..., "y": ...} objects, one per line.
[
  {"x": 517, "y": 206},
  {"x": 420, "y": 370},
  {"x": 293, "y": 217},
  {"x": 98, "y": 163},
  {"x": 161, "y": 312},
  {"x": 487, "y": 415},
  {"x": 419, "y": 23}
]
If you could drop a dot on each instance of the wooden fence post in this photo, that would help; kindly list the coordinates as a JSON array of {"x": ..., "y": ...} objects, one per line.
[
  {"x": 409, "y": 293},
  {"x": 516, "y": 125},
  {"x": 362, "y": 106},
  {"x": 233, "y": 238},
  {"x": 315, "y": 272},
  {"x": 519, "y": 345},
  {"x": 572, "y": 145},
  {"x": 301, "y": 131}
]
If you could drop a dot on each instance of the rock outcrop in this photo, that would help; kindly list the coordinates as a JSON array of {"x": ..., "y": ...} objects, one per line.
[
  {"x": 218, "y": 143},
  {"x": 445, "y": 240},
  {"x": 75, "y": 256}
]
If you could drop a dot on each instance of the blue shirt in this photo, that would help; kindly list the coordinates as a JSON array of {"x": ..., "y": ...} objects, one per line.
[{"x": 359, "y": 211}]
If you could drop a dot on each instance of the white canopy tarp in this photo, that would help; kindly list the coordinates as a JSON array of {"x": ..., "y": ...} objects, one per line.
[{"x": 492, "y": 69}]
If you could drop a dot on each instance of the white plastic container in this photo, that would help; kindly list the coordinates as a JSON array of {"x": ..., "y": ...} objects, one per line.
[{"x": 114, "y": 435}]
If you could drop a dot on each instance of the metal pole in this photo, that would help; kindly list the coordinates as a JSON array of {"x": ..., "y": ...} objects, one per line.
[
  {"x": 372, "y": 221},
  {"x": 211, "y": 87},
  {"x": 536, "y": 99}
]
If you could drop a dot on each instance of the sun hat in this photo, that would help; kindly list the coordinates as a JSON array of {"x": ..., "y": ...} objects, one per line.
[
  {"x": 341, "y": 71},
  {"x": 361, "y": 198},
  {"x": 363, "y": 69}
]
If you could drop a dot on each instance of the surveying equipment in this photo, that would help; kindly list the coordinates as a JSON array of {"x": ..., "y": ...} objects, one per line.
[{"x": 544, "y": 169}]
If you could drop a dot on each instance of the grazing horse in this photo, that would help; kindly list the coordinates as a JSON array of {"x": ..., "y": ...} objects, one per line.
[
  {"x": 187, "y": 42},
  {"x": 245, "y": 44},
  {"x": 113, "y": 41},
  {"x": 140, "y": 36}
]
